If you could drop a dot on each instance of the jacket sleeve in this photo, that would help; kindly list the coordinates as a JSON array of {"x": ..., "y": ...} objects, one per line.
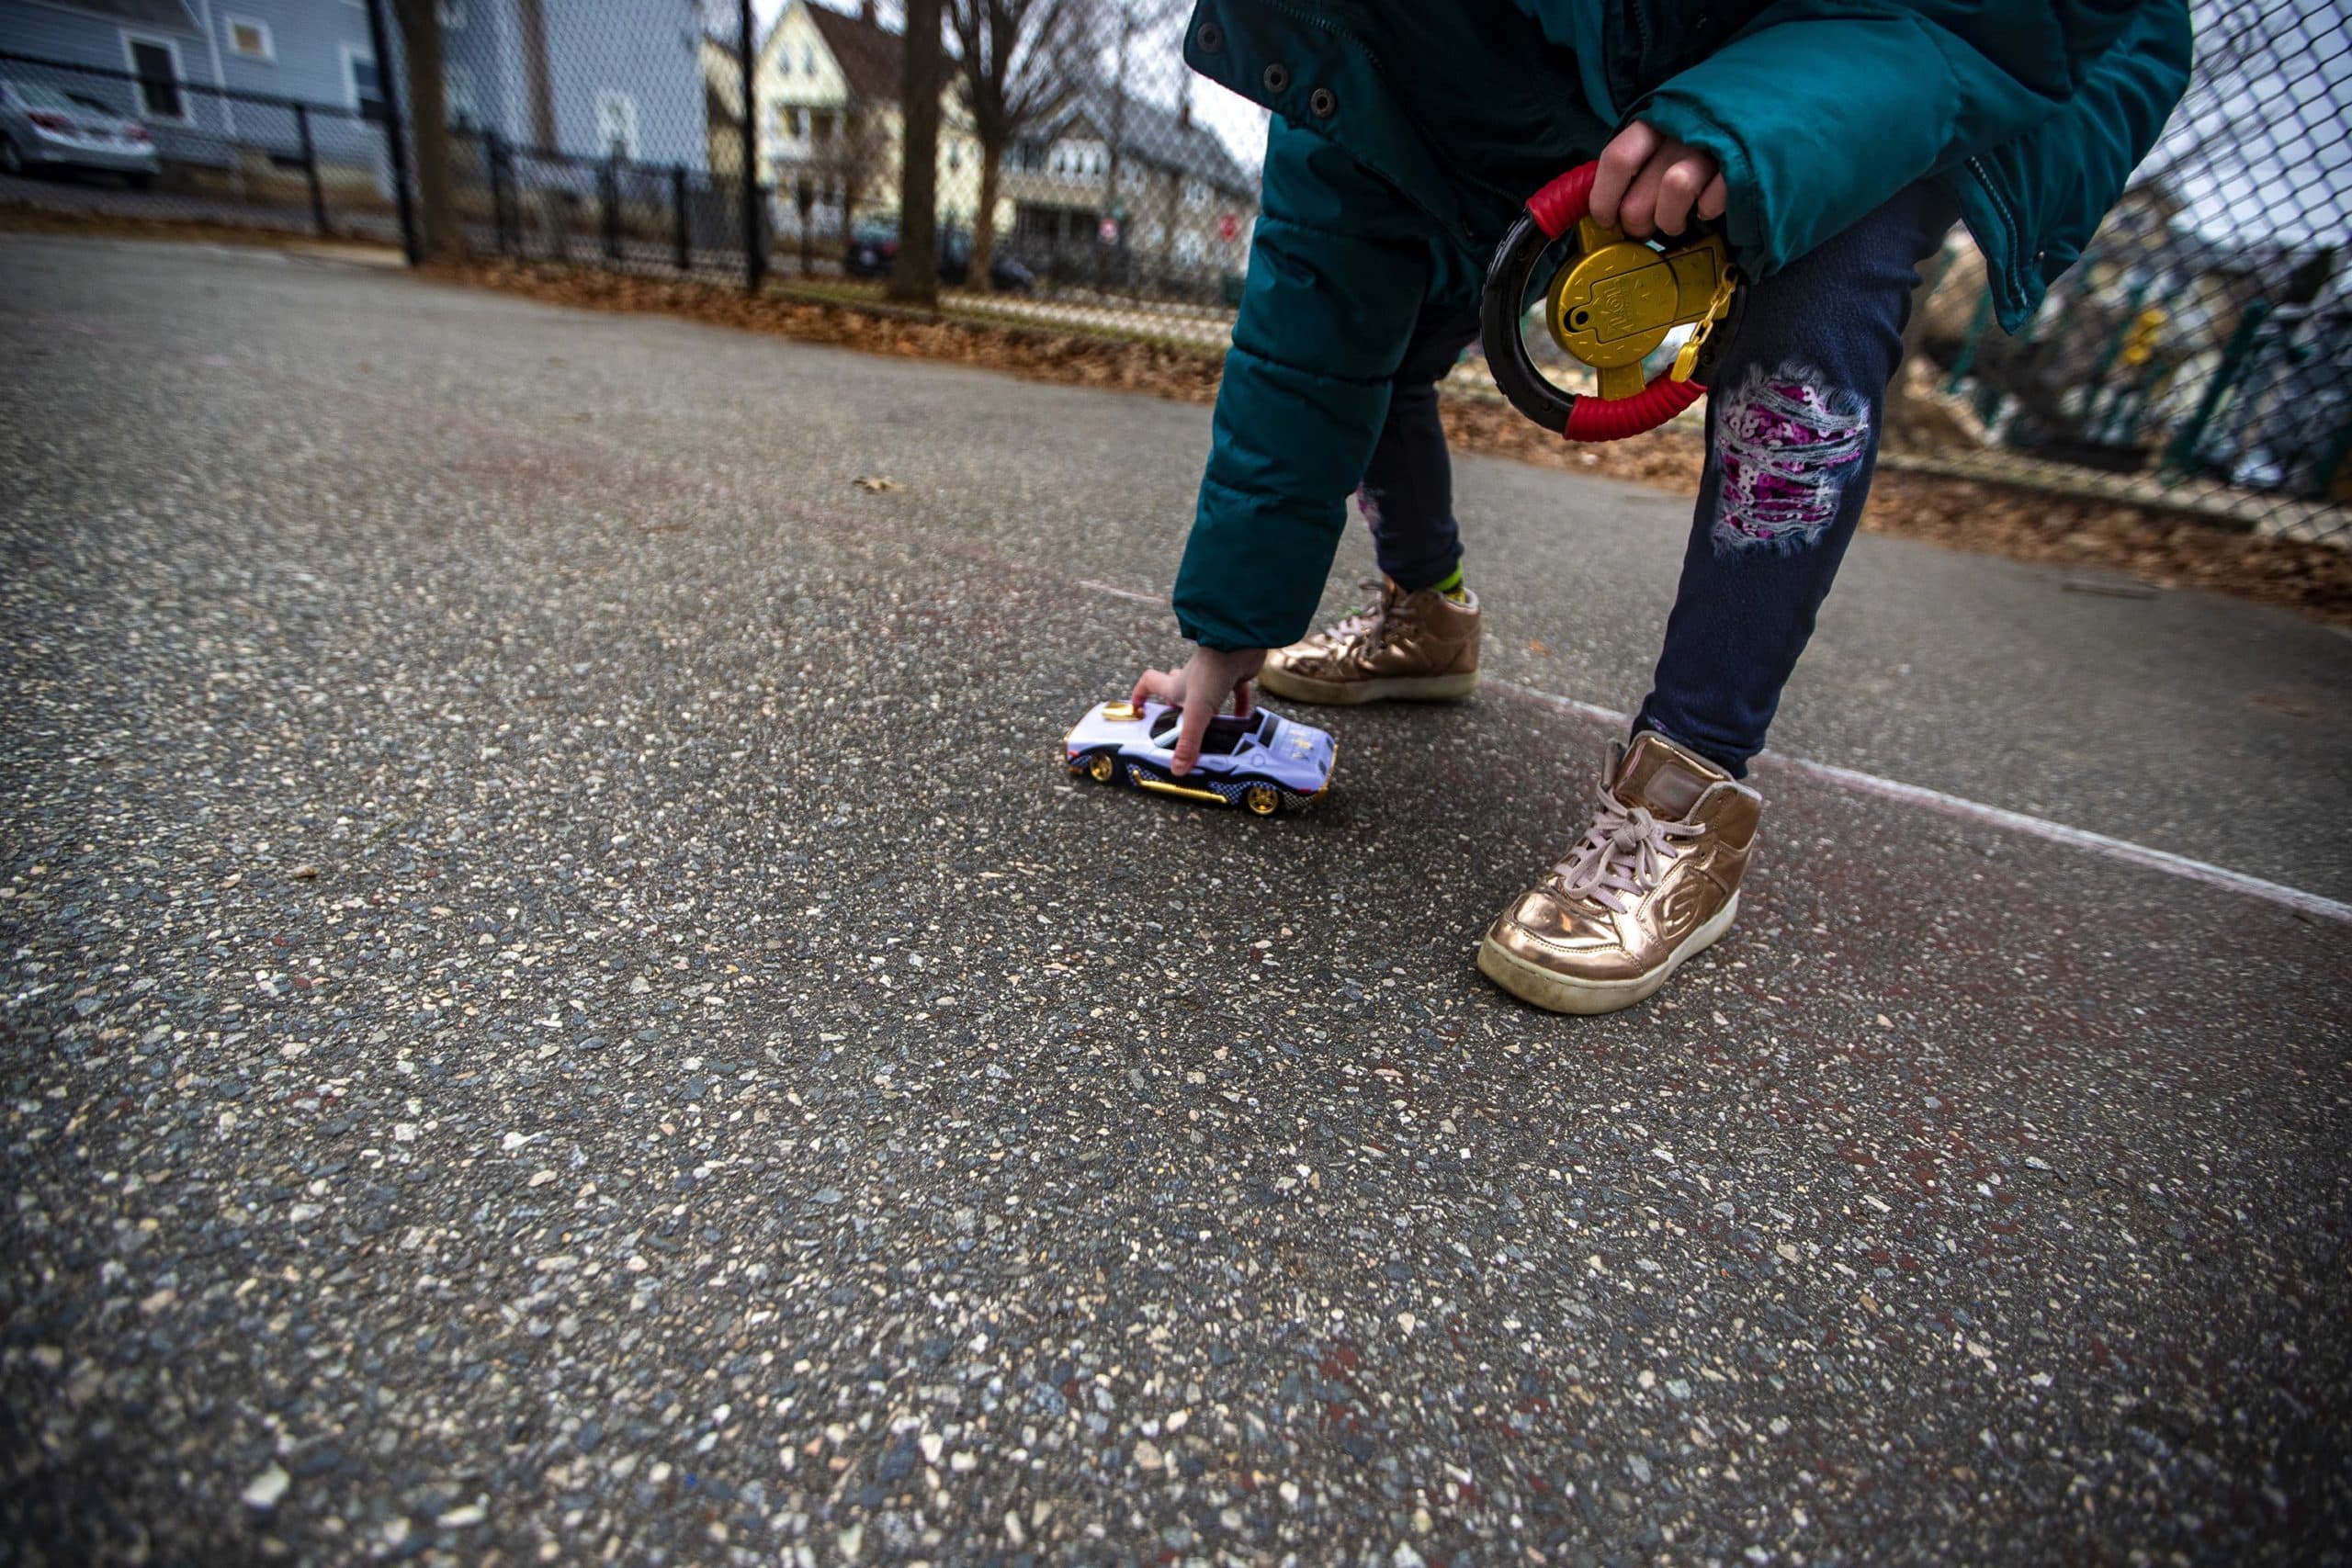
[
  {"x": 1339, "y": 266},
  {"x": 2065, "y": 173},
  {"x": 1820, "y": 110}
]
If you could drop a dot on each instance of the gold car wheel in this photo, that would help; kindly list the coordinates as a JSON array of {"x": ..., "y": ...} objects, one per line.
[
  {"x": 1264, "y": 799},
  {"x": 1101, "y": 768}
]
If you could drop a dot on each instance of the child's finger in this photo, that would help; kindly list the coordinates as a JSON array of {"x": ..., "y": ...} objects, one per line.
[
  {"x": 1155, "y": 685},
  {"x": 1620, "y": 162},
  {"x": 1188, "y": 734},
  {"x": 1637, "y": 213},
  {"x": 1715, "y": 199},
  {"x": 1677, "y": 191}
]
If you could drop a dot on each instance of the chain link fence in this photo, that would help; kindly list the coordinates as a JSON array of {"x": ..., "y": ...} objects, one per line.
[
  {"x": 2198, "y": 358},
  {"x": 2199, "y": 355}
]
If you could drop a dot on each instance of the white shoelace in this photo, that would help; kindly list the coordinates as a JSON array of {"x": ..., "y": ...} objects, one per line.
[
  {"x": 1371, "y": 617},
  {"x": 1626, "y": 850}
]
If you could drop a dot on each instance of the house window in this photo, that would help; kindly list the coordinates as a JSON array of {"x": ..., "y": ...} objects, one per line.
[
  {"x": 457, "y": 100},
  {"x": 249, "y": 39},
  {"x": 155, "y": 62},
  {"x": 1196, "y": 193},
  {"x": 616, "y": 125},
  {"x": 362, "y": 83},
  {"x": 808, "y": 61},
  {"x": 822, "y": 126}
]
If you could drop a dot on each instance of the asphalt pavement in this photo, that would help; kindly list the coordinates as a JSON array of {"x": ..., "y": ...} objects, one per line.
[{"x": 559, "y": 1006}]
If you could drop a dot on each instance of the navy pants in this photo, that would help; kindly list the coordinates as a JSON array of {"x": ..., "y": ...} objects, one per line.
[{"x": 1792, "y": 426}]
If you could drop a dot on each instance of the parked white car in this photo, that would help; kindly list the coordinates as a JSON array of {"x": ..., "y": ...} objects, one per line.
[{"x": 44, "y": 128}]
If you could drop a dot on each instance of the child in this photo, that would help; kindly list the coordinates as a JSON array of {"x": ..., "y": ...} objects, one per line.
[{"x": 1836, "y": 139}]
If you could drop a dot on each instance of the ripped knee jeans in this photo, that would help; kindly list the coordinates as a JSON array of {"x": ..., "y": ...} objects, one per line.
[{"x": 1792, "y": 426}]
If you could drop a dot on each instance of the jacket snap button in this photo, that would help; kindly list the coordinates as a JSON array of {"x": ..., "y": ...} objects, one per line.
[
  {"x": 1323, "y": 102},
  {"x": 1210, "y": 38},
  {"x": 1277, "y": 77}
]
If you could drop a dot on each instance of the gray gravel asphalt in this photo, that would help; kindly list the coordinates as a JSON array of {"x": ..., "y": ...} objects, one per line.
[{"x": 557, "y": 1009}]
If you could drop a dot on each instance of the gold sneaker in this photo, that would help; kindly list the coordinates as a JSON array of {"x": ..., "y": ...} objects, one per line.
[
  {"x": 1413, "y": 646},
  {"x": 1655, "y": 880}
]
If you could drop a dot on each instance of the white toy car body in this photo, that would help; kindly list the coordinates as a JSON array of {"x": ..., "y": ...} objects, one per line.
[{"x": 1262, "y": 763}]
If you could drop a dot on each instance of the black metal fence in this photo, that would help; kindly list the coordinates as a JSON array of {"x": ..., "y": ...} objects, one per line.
[
  {"x": 93, "y": 139},
  {"x": 530, "y": 205}
]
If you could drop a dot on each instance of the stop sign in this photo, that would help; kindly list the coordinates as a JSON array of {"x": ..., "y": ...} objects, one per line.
[{"x": 1229, "y": 226}]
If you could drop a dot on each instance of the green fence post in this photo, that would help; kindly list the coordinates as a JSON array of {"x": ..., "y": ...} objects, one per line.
[
  {"x": 2180, "y": 457},
  {"x": 1966, "y": 357}
]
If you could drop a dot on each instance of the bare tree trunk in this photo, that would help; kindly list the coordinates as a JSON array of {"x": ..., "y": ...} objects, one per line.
[
  {"x": 984, "y": 221},
  {"x": 914, "y": 280},
  {"x": 441, "y": 237}
]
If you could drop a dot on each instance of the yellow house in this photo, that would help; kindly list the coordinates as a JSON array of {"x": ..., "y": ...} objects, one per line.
[{"x": 827, "y": 87}]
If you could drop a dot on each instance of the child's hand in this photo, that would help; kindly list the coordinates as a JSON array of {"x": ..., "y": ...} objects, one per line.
[
  {"x": 1649, "y": 182},
  {"x": 1200, "y": 690}
]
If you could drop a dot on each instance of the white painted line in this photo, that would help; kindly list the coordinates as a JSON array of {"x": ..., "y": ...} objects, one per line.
[
  {"x": 2077, "y": 838},
  {"x": 1592, "y": 711},
  {"x": 1117, "y": 592},
  {"x": 1937, "y": 800}
]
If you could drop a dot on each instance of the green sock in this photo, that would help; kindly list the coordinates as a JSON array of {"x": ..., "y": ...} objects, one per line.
[{"x": 1452, "y": 586}]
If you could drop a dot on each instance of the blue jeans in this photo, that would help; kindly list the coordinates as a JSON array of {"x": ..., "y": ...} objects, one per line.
[{"x": 1792, "y": 426}]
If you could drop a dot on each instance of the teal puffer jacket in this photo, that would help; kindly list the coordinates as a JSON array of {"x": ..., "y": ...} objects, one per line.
[{"x": 1409, "y": 133}]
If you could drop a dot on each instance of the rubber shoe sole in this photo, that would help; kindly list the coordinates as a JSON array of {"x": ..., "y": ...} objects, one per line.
[
  {"x": 1382, "y": 689},
  {"x": 1555, "y": 992}
]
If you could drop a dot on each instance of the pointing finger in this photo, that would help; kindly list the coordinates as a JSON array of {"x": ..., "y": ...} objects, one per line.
[{"x": 1188, "y": 734}]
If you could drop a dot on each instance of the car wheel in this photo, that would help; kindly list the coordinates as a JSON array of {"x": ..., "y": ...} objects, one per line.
[
  {"x": 1263, "y": 800},
  {"x": 11, "y": 160},
  {"x": 1099, "y": 767},
  {"x": 140, "y": 179}
]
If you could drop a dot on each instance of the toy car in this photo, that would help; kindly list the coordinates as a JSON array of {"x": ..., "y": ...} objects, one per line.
[{"x": 1262, "y": 763}]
